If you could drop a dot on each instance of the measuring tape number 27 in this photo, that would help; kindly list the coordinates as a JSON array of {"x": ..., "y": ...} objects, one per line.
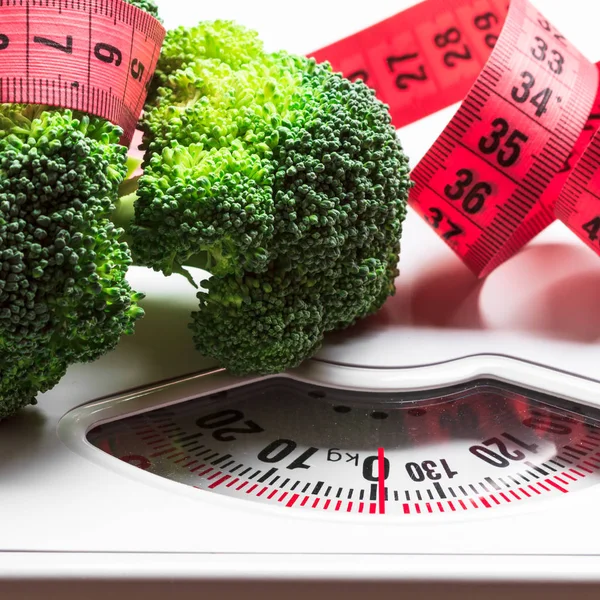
[
  {"x": 520, "y": 151},
  {"x": 93, "y": 56}
]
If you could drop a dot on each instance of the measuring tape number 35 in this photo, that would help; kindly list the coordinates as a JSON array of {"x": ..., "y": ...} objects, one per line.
[
  {"x": 94, "y": 56},
  {"x": 522, "y": 148}
]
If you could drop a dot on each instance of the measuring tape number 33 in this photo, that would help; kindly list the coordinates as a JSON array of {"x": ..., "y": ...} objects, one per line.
[
  {"x": 94, "y": 56},
  {"x": 520, "y": 151}
]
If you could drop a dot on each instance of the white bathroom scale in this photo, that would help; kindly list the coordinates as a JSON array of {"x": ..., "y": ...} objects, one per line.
[{"x": 446, "y": 447}]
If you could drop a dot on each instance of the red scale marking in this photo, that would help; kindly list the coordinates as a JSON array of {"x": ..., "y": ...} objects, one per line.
[
  {"x": 590, "y": 464},
  {"x": 201, "y": 474},
  {"x": 515, "y": 494},
  {"x": 569, "y": 476},
  {"x": 417, "y": 508},
  {"x": 451, "y": 505},
  {"x": 232, "y": 482},
  {"x": 558, "y": 487},
  {"x": 282, "y": 497},
  {"x": 251, "y": 489},
  {"x": 428, "y": 506},
  {"x": 197, "y": 468},
  {"x": 475, "y": 505},
  {"x": 406, "y": 508},
  {"x": 361, "y": 507},
  {"x": 463, "y": 505},
  {"x": 587, "y": 445},
  {"x": 504, "y": 496},
  {"x": 170, "y": 430},
  {"x": 190, "y": 464},
  {"x": 292, "y": 500},
  {"x": 181, "y": 460},
  {"x": 316, "y": 502},
  {"x": 440, "y": 507},
  {"x": 214, "y": 475},
  {"x": 561, "y": 480},
  {"x": 543, "y": 486},
  {"x": 160, "y": 453},
  {"x": 349, "y": 509},
  {"x": 161, "y": 446},
  {"x": 534, "y": 489},
  {"x": 153, "y": 440},
  {"x": 577, "y": 472},
  {"x": 584, "y": 469},
  {"x": 372, "y": 508},
  {"x": 525, "y": 492},
  {"x": 264, "y": 490},
  {"x": 494, "y": 499},
  {"x": 241, "y": 486},
  {"x": 271, "y": 494},
  {"x": 327, "y": 504},
  {"x": 218, "y": 482},
  {"x": 338, "y": 505},
  {"x": 484, "y": 502},
  {"x": 306, "y": 498}
]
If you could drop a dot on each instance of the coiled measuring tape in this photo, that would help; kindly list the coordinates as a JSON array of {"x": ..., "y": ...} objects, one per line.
[
  {"x": 520, "y": 151},
  {"x": 94, "y": 56}
]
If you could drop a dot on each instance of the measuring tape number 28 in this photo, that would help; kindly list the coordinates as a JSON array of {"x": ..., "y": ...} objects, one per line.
[
  {"x": 520, "y": 151},
  {"x": 94, "y": 56}
]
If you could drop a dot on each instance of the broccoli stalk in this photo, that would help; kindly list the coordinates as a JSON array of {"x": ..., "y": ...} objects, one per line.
[{"x": 282, "y": 179}]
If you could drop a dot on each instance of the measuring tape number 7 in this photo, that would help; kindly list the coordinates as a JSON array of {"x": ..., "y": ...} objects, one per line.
[{"x": 94, "y": 56}]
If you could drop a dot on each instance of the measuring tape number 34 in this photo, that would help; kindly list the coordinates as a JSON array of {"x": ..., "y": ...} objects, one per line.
[
  {"x": 94, "y": 56},
  {"x": 520, "y": 151}
]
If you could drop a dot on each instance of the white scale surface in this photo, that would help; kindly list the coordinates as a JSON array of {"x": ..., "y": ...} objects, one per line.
[{"x": 71, "y": 514}]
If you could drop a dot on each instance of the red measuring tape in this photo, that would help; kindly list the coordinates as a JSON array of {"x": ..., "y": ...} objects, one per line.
[
  {"x": 94, "y": 56},
  {"x": 517, "y": 153}
]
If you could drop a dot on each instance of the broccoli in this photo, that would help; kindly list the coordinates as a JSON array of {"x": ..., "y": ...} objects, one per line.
[
  {"x": 64, "y": 297},
  {"x": 149, "y": 6},
  {"x": 278, "y": 176}
]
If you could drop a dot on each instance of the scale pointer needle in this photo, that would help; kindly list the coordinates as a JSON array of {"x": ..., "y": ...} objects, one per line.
[{"x": 381, "y": 472}]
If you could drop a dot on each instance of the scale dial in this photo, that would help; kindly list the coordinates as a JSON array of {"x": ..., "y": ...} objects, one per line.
[{"x": 464, "y": 450}]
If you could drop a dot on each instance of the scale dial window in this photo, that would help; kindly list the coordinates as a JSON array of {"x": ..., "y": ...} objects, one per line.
[{"x": 474, "y": 448}]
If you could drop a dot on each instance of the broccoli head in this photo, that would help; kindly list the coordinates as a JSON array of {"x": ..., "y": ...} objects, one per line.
[
  {"x": 224, "y": 41},
  {"x": 149, "y": 6},
  {"x": 63, "y": 293},
  {"x": 281, "y": 178},
  {"x": 64, "y": 298}
]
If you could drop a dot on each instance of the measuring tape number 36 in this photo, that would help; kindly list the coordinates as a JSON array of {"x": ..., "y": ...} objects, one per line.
[
  {"x": 522, "y": 148},
  {"x": 94, "y": 56}
]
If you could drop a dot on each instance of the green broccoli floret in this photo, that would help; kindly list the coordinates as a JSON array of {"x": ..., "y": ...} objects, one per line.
[
  {"x": 64, "y": 298},
  {"x": 282, "y": 179},
  {"x": 149, "y": 6},
  {"x": 223, "y": 41},
  {"x": 63, "y": 293}
]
